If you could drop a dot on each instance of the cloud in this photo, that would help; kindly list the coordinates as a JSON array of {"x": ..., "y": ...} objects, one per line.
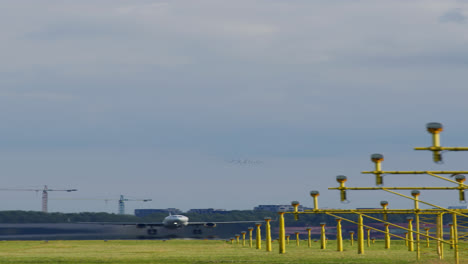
[{"x": 453, "y": 16}]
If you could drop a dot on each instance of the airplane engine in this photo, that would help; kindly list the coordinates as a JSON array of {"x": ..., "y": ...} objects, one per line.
[{"x": 209, "y": 225}]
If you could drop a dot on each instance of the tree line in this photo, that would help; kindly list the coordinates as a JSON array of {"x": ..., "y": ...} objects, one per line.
[{"x": 236, "y": 215}]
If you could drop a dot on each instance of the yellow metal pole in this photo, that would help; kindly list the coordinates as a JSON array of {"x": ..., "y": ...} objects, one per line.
[
  {"x": 309, "y": 240},
  {"x": 351, "y": 234},
  {"x": 295, "y": 205},
  {"x": 451, "y": 235},
  {"x": 250, "y": 236},
  {"x": 287, "y": 239},
  {"x": 384, "y": 204},
  {"x": 455, "y": 238},
  {"x": 435, "y": 129},
  {"x": 377, "y": 159},
  {"x": 341, "y": 179},
  {"x": 427, "y": 236},
  {"x": 440, "y": 232},
  {"x": 259, "y": 236},
  {"x": 360, "y": 235},
  {"x": 314, "y": 195},
  {"x": 387, "y": 236},
  {"x": 418, "y": 240},
  {"x": 232, "y": 240},
  {"x": 268, "y": 234},
  {"x": 323, "y": 243},
  {"x": 282, "y": 234},
  {"x": 368, "y": 237},
  {"x": 410, "y": 234},
  {"x": 461, "y": 179},
  {"x": 415, "y": 194},
  {"x": 237, "y": 238},
  {"x": 339, "y": 237},
  {"x": 243, "y": 233},
  {"x": 297, "y": 238}
]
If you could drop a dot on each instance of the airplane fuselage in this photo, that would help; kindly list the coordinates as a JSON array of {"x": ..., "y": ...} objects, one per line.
[{"x": 175, "y": 221}]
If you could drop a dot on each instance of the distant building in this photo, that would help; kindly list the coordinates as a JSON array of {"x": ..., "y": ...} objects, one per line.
[
  {"x": 458, "y": 207},
  {"x": 146, "y": 212},
  {"x": 278, "y": 207},
  {"x": 207, "y": 211}
]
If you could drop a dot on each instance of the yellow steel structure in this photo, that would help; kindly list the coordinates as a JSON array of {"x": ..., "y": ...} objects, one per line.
[
  {"x": 351, "y": 234},
  {"x": 287, "y": 239},
  {"x": 297, "y": 238},
  {"x": 459, "y": 179},
  {"x": 362, "y": 212},
  {"x": 441, "y": 210},
  {"x": 420, "y": 215},
  {"x": 309, "y": 240},
  {"x": 237, "y": 238},
  {"x": 418, "y": 211}
]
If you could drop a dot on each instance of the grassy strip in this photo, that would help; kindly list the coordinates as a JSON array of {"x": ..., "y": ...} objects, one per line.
[{"x": 202, "y": 251}]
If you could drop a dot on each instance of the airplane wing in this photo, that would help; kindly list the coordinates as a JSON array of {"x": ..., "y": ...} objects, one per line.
[
  {"x": 124, "y": 223},
  {"x": 216, "y": 223},
  {"x": 231, "y": 222}
]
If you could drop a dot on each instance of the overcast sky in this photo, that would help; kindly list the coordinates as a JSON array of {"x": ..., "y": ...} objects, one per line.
[{"x": 162, "y": 99}]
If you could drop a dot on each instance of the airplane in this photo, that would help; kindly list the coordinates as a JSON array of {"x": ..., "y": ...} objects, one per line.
[{"x": 175, "y": 226}]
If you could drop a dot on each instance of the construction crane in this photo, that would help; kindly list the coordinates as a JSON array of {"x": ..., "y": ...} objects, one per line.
[
  {"x": 45, "y": 194},
  {"x": 121, "y": 201}
]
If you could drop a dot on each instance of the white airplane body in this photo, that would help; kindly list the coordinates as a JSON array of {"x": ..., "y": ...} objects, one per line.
[{"x": 175, "y": 221}]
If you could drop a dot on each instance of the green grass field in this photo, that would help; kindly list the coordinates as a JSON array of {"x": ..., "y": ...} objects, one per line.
[{"x": 207, "y": 251}]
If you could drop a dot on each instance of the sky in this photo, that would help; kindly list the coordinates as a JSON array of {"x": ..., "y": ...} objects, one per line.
[{"x": 226, "y": 104}]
